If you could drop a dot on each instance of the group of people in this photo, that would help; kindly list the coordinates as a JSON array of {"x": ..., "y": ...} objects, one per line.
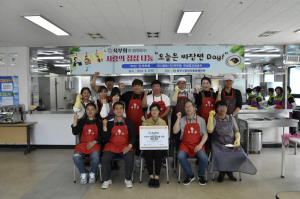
[{"x": 109, "y": 127}]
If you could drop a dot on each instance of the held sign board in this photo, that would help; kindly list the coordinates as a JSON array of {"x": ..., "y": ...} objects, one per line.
[
  {"x": 157, "y": 59},
  {"x": 154, "y": 138},
  {"x": 9, "y": 91}
]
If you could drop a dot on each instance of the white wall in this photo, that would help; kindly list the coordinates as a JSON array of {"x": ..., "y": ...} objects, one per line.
[{"x": 22, "y": 71}]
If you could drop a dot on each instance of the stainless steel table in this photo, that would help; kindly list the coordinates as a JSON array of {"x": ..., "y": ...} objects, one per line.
[{"x": 252, "y": 124}]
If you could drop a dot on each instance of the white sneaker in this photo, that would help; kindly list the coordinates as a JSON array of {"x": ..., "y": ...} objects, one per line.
[
  {"x": 128, "y": 183},
  {"x": 106, "y": 184},
  {"x": 83, "y": 178},
  {"x": 138, "y": 162},
  {"x": 92, "y": 178}
]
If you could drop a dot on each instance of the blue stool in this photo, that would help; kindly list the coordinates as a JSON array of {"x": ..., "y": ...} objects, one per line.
[{"x": 142, "y": 166}]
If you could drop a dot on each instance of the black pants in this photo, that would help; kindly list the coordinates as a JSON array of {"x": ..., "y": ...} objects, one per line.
[
  {"x": 106, "y": 163},
  {"x": 157, "y": 156},
  {"x": 137, "y": 146}
]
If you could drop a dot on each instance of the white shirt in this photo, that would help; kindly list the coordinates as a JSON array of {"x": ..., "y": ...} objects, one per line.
[
  {"x": 165, "y": 99},
  {"x": 80, "y": 111},
  {"x": 105, "y": 110}
]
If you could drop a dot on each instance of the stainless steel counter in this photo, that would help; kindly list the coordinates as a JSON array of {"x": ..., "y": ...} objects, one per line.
[
  {"x": 245, "y": 111},
  {"x": 252, "y": 124},
  {"x": 52, "y": 111}
]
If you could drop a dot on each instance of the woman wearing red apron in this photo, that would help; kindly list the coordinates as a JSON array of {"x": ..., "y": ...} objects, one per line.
[
  {"x": 157, "y": 98},
  {"x": 121, "y": 135},
  {"x": 193, "y": 138},
  {"x": 89, "y": 130},
  {"x": 205, "y": 100},
  {"x": 82, "y": 100}
]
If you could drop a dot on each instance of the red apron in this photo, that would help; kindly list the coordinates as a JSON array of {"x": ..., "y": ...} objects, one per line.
[
  {"x": 100, "y": 108},
  {"x": 162, "y": 108},
  {"x": 89, "y": 133},
  {"x": 208, "y": 104},
  {"x": 191, "y": 138},
  {"x": 119, "y": 139},
  {"x": 135, "y": 113}
]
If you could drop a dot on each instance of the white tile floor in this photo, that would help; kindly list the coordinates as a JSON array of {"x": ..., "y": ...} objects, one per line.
[{"x": 49, "y": 174}]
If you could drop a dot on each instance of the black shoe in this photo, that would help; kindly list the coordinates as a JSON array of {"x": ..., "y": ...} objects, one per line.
[
  {"x": 156, "y": 183},
  {"x": 197, "y": 162},
  {"x": 221, "y": 176},
  {"x": 189, "y": 179},
  {"x": 231, "y": 176},
  {"x": 151, "y": 183},
  {"x": 202, "y": 181}
]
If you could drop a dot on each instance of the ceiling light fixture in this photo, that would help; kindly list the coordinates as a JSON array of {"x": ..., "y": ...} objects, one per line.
[
  {"x": 62, "y": 65},
  {"x": 262, "y": 55},
  {"x": 188, "y": 21},
  {"x": 44, "y": 23},
  {"x": 268, "y": 33},
  {"x": 50, "y": 57},
  {"x": 247, "y": 62},
  {"x": 297, "y": 31}
]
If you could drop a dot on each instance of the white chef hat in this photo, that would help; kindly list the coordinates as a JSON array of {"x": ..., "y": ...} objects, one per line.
[
  {"x": 181, "y": 79},
  {"x": 228, "y": 77}
]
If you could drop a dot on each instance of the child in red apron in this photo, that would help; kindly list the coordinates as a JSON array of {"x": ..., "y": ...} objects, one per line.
[
  {"x": 192, "y": 143},
  {"x": 89, "y": 130}
]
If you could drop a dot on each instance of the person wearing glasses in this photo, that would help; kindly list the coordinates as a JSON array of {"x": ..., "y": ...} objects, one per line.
[
  {"x": 231, "y": 96},
  {"x": 179, "y": 97},
  {"x": 156, "y": 155},
  {"x": 227, "y": 154},
  {"x": 193, "y": 137}
]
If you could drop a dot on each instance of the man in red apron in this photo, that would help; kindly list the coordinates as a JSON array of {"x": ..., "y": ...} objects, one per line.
[
  {"x": 193, "y": 138},
  {"x": 109, "y": 83},
  {"x": 180, "y": 96},
  {"x": 89, "y": 130},
  {"x": 231, "y": 96},
  {"x": 121, "y": 135},
  {"x": 157, "y": 98},
  {"x": 134, "y": 112}
]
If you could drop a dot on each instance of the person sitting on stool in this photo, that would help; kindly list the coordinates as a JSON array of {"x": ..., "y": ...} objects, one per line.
[
  {"x": 226, "y": 158},
  {"x": 121, "y": 135},
  {"x": 193, "y": 138}
]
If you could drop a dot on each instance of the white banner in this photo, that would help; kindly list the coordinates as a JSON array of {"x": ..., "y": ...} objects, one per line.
[{"x": 154, "y": 138}]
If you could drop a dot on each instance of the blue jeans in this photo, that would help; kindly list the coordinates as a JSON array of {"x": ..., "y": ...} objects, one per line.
[
  {"x": 203, "y": 161},
  {"x": 78, "y": 161}
]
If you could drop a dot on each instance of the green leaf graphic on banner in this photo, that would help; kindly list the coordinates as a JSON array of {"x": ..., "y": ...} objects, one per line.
[
  {"x": 238, "y": 49},
  {"x": 241, "y": 66}
]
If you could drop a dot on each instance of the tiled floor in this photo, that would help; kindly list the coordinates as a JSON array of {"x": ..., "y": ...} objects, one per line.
[{"x": 49, "y": 174}]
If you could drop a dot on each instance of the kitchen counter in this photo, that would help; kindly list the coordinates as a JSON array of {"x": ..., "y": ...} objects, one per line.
[
  {"x": 266, "y": 123},
  {"x": 246, "y": 111},
  {"x": 52, "y": 111}
]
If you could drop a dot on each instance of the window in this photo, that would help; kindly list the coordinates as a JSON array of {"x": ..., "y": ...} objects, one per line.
[{"x": 294, "y": 80}]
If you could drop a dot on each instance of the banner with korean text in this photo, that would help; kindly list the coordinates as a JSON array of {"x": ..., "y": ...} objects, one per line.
[{"x": 157, "y": 59}]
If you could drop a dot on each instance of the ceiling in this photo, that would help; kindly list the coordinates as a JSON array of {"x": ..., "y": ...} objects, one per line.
[{"x": 127, "y": 21}]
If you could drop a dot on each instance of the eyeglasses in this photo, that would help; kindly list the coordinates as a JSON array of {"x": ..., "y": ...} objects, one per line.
[
  {"x": 154, "y": 110},
  {"x": 222, "y": 107},
  {"x": 188, "y": 107},
  {"x": 181, "y": 83}
]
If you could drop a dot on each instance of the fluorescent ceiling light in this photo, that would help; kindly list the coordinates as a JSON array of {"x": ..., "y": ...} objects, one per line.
[
  {"x": 188, "y": 21},
  {"x": 247, "y": 62},
  {"x": 44, "y": 23},
  {"x": 50, "y": 57},
  {"x": 297, "y": 31},
  {"x": 62, "y": 65},
  {"x": 262, "y": 55}
]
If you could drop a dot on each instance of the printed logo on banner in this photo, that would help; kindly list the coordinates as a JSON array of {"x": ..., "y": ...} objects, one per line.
[{"x": 7, "y": 86}]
